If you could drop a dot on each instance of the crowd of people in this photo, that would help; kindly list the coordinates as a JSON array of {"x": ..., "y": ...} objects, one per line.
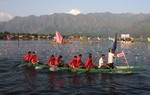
[{"x": 76, "y": 61}]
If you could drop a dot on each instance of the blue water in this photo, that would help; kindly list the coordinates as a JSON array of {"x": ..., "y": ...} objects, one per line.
[{"x": 27, "y": 81}]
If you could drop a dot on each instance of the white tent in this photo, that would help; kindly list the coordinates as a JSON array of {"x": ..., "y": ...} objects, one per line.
[{"x": 125, "y": 35}]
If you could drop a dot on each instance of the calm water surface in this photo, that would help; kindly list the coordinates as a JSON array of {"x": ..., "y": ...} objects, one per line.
[{"x": 27, "y": 81}]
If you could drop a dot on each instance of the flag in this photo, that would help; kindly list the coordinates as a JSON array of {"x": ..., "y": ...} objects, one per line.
[
  {"x": 115, "y": 44},
  {"x": 59, "y": 38},
  {"x": 81, "y": 38},
  {"x": 148, "y": 39},
  {"x": 120, "y": 54},
  {"x": 8, "y": 37}
]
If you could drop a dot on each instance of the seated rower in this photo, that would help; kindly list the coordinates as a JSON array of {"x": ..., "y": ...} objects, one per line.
[
  {"x": 34, "y": 58},
  {"x": 89, "y": 63},
  {"x": 52, "y": 61},
  {"x": 74, "y": 63},
  {"x": 102, "y": 65},
  {"x": 59, "y": 61},
  {"x": 27, "y": 57},
  {"x": 79, "y": 61}
]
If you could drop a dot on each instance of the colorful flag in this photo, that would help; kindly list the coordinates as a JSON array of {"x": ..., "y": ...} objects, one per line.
[
  {"x": 120, "y": 54},
  {"x": 59, "y": 38},
  {"x": 8, "y": 37},
  {"x": 81, "y": 38},
  {"x": 115, "y": 44},
  {"x": 148, "y": 39}
]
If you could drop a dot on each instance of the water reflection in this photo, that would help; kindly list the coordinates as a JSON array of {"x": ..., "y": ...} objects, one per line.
[
  {"x": 30, "y": 75},
  {"x": 55, "y": 83}
]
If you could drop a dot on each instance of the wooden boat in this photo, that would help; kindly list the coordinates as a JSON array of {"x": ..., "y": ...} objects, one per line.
[
  {"x": 129, "y": 42},
  {"x": 56, "y": 43},
  {"x": 119, "y": 69},
  {"x": 89, "y": 42},
  {"x": 42, "y": 66}
]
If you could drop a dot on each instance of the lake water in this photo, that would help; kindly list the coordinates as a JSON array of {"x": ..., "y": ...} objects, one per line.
[{"x": 28, "y": 81}]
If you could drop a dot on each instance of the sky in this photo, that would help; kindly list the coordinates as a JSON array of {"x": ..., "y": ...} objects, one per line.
[{"x": 42, "y": 7}]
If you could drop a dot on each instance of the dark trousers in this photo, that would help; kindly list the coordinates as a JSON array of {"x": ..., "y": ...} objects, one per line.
[{"x": 111, "y": 65}]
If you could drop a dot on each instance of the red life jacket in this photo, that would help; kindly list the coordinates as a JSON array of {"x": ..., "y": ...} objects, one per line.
[
  {"x": 74, "y": 63},
  {"x": 34, "y": 59},
  {"x": 58, "y": 59},
  {"x": 52, "y": 62},
  {"x": 88, "y": 63},
  {"x": 79, "y": 61},
  {"x": 27, "y": 57}
]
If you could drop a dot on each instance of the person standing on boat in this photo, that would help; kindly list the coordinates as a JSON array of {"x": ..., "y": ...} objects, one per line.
[
  {"x": 74, "y": 63},
  {"x": 27, "y": 57},
  {"x": 110, "y": 59},
  {"x": 52, "y": 61},
  {"x": 59, "y": 61},
  {"x": 34, "y": 58},
  {"x": 102, "y": 64},
  {"x": 79, "y": 61}
]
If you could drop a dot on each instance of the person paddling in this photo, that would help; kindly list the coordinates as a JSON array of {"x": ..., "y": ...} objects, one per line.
[
  {"x": 59, "y": 61},
  {"x": 89, "y": 63},
  {"x": 27, "y": 57},
  {"x": 79, "y": 61},
  {"x": 102, "y": 65},
  {"x": 52, "y": 61},
  {"x": 34, "y": 58},
  {"x": 74, "y": 63},
  {"x": 110, "y": 59}
]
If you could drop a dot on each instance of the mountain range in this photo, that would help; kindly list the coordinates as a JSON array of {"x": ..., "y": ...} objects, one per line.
[
  {"x": 5, "y": 17},
  {"x": 100, "y": 24}
]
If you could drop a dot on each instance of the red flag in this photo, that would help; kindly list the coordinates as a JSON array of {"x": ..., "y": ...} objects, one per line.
[{"x": 120, "y": 54}]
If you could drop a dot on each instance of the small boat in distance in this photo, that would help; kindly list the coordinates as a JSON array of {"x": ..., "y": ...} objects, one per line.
[
  {"x": 59, "y": 39},
  {"x": 126, "y": 39}
]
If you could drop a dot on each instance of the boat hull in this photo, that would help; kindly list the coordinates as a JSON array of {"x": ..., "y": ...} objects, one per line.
[{"x": 119, "y": 69}]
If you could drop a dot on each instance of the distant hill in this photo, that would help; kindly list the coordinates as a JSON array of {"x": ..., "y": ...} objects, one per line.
[{"x": 102, "y": 24}]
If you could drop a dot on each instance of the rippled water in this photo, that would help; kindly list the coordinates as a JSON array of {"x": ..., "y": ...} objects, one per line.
[{"x": 26, "y": 81}]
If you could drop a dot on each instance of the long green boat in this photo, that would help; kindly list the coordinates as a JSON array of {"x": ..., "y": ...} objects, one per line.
[
  {"x": 119, "y": 69},
  {"x": 42, "y": 66}
]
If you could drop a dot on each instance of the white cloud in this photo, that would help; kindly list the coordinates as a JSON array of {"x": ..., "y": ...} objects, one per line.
[
  {"x": 5, "y": 17},
  {"x": 74, "y": 12}
]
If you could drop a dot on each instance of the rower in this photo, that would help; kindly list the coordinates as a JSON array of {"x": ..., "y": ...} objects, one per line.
[
  {"x": 74, "y": 63},
  {"x": 79, "y": 61},
  {"x": 52, "y": 61},
  {"x": 88, "y": 63},
  {"x": 34, "y": 58},
  {"x": 102, "y": 65},
  {"x": 59, "y": 61},
  {"x": 27, "y": 57}
]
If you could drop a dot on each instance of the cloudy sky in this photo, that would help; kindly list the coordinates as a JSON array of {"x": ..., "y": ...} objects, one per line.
[{"x": 41, "y": 7}]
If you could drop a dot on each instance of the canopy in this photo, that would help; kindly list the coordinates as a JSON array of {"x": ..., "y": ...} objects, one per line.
[{"x": 125, "y": 35}]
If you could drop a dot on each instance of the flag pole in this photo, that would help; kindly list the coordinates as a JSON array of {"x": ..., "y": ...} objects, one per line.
[
  {"x": 115, "y": 47},
  {"x": 126, "y": 59}
]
